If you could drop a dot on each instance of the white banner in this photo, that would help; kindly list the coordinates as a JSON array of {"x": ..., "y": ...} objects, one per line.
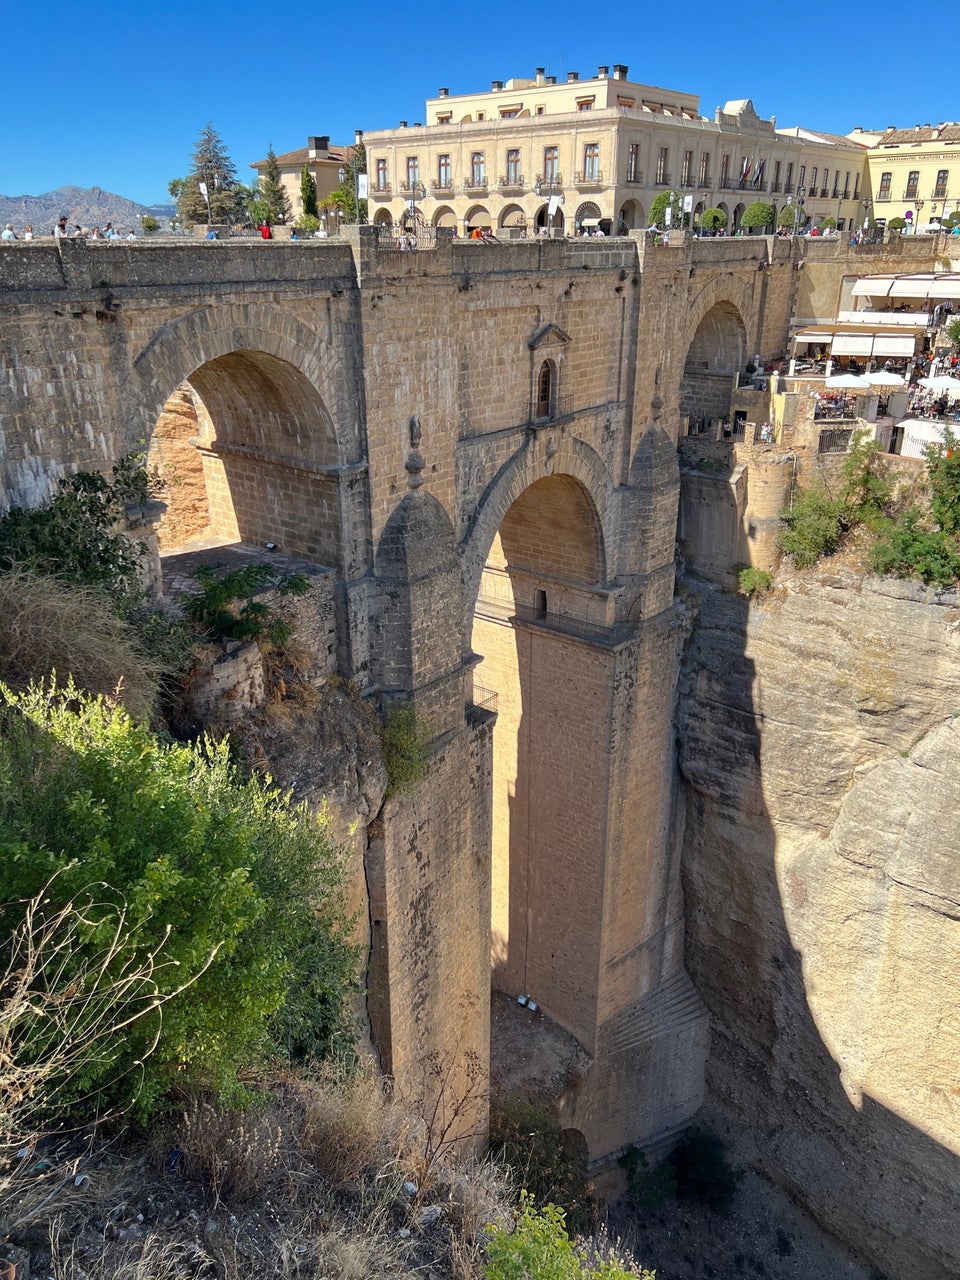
[
  {"x": 553, "y": 206},
  {"x": 688, "y": 204},
  {"x": 202, "y": 187},
  {"x": 362, "y": 187}
]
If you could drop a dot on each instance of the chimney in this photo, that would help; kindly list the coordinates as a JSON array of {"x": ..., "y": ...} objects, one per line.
[
  {"x": 620, "y": 72},
  {"x": 417, "y": 124},
  {"x": 540, "y": 71},
  {"x": 403, "y": 124},
  {"x": 602, "y": 73},
  {"x": 572, "y": 75},
  {"x": 550, "y": 80},
  {"x": 318, "y": 146},
  {"x": 357, "y": 137},
  {"x": 444, "y": 93},
  {"x": 496, "y": 84}
]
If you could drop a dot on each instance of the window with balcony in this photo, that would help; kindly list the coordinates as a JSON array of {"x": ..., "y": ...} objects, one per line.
[
  {"x": 551, "y": 164},
  {"x": 443, "y": 173},
  {"x": 940, "y": 190},
  {"x": 591, "y": 162},
  {"x": 776, "y": 176},
  {"x": 802, "y": 176},
  {"x": 413, "y": 172},
  {"x": 633, "y": 162},
  {"x": 513, "y": 167},
  {"x": 478, "y": 170},
  {"x": 886, "y": 181},
  {"x": 856, "y": 186},
  {"x": 813, "y": 182},
  {"x": 913, "y": 181},
  {"x": 846, "y": 185},
  {"x": 546, "y": 390},
  {"x": 788, "y": 181},
  {"x": 382, "y": 182},
  {"x": 725, "y": 171},
  {"x": 663, "y": 164},
  {"x": 705, "y": 169},
  {"x": 686, "y": 169},
  {"x": 585, "y": 104}
]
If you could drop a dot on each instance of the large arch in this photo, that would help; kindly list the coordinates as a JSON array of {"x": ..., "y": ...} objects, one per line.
[
  {"x": 716, "y": 353},
  {"x": 546, "y": 453},
  {"x": 478, "y": 215},
  {"x": 542, "y": 655},
  {"x": 588, "y": 209},
  {"x": 444, "y": 217},
  {"x": 246, "y": 425},
  {"x": 512, "y": 215}
]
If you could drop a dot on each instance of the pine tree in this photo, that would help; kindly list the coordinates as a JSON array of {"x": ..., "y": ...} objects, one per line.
[
  {"x": 273, "y": 193},
  {"x": 212, "y": 165},
  {"x": 308, "y": 194},
  {"x": 346, "y": 194}
]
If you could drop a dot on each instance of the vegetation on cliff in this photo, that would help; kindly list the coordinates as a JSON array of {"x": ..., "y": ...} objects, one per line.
[{"x": 908, "y": 531}]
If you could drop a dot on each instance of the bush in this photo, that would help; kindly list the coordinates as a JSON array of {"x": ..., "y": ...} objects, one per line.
[
  {"x": 225, "y": 608},
  {"x": 647, "y": 1188},
  {"x": 943, "y": 477},
  {"x": 539, "y": 1246},
  {"x": 896, "y": 224},
  {"x": 906, "y": 548},
  {"x": 217, "y": 870},
  {"x": 758, "y": 214},
  {"x": 753, "y": 582},
  {"x": 406, "y": 749},
  {"x": 529, "y": 1139},
  {"x": 713, "y": 219},
  {"x": 814, "y": 526}
]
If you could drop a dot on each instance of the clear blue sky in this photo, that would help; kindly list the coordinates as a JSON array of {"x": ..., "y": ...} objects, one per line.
[{"x": 114, "y": 95}]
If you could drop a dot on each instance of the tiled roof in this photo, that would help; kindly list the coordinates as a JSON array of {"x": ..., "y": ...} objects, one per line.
[
  {"x": 949, "y": 132},
  {"x": 300, "y": 157}
]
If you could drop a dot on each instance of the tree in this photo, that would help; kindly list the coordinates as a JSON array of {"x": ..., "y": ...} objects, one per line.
[
  {"x": 149, "y": 224},
  {"x": 758, "y": 214},
  {"x": 787, "y": 217},
  {"x": 308, "y": 194},
  {"x": 276, "y": 202},
  {"x": 658, "y": 209},
  {"x": 951, "y": 221},
  {"x": 828, "y": 223},
  {"x": 211, "y": 165},
  {"x": 896, "y": 224},
  {"x": 713, "y": 220},
  {"x": 345, "y": 196}
]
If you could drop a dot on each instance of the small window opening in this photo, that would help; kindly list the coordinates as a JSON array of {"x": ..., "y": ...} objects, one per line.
[
  {"x": 545, "y": 390},
  {"x": 540, "y": 604}
]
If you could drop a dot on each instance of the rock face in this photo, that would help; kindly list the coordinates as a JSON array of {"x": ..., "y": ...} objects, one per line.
[{"x": 822, "y": 872}]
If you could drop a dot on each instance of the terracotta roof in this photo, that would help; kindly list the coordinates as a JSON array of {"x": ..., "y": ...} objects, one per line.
[
  {"x": 300, "y": 157},
  {"x": 836, "y": 138},
  {"x": 948, "y": 132}
]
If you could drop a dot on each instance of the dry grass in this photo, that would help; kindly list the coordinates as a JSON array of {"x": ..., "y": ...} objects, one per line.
[
  {"x": 47, "y": 625},
  {"x": 316, "y": 1181}
]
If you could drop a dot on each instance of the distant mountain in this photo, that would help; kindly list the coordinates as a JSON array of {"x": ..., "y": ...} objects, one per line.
[{"x": 91, "y": 207}]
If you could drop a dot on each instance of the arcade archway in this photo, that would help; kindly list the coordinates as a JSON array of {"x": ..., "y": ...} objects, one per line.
[{"x": 714, "y": 359}]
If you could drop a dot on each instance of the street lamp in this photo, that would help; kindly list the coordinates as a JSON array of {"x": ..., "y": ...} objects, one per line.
[
  {"x": 919, "y": 204},
  {"x": 798, "y": 209}
]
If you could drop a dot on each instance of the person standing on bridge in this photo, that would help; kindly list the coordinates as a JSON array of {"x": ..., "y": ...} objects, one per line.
[
  {"x": 266, "y": 232},
  {"x": 8, "y": 232}
]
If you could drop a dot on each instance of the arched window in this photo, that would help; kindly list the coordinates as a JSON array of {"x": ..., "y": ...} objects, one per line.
[{"x": 546, "y": 390}]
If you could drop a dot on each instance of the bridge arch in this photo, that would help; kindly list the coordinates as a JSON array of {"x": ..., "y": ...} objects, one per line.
[
  {"x": 252, "y": 419},
  {"x": 546, "y": 454},
  {"x": 716, "y": 353}
]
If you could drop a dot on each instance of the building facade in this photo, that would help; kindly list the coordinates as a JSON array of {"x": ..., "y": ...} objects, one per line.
[
  {"x": 535, "y": 155},
  {"x": 914, "y": 173},
  {"x": 323, "y": 162}
]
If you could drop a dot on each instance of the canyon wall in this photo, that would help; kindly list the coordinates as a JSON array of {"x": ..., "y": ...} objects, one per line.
[{"x": 819, "y": 747}]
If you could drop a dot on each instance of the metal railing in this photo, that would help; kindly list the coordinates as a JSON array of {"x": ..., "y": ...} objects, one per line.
[
  {"x": 837, "y": 441},
  {"x": 516, "y": 183},
  {"x": 381, "y": 193},
  {"x": 663, "y": 180},
  {"x": 588, "y": 178},
  {"x": 561, "y": 407},
  {"x": 401, "y": 239},
  {"x": 554, "y": 183},
  {"x": 482, "y": 699},
  {"x": 636, "y": 180}
]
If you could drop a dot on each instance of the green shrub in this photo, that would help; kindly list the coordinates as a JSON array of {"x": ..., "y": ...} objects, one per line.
[
  {"x": 530, "y": 1140},
  {"x": 906, "y": 548},
  {"x": 647, "y": 1188},
  {"x": 758, "y": 214},
  {"x": 867, "y": 482},
  {"x": 225, "y": 608},
  {"x": 406, "y": 749},
  {"x": 814, "y": 526},
  {"x": 753, "y": 582},
  {"x": 205, "y": 863},
  {"x": 943, "y": 477},
  {"x": 896, "y": 224},
  {"x": 538, "y": 1246}
]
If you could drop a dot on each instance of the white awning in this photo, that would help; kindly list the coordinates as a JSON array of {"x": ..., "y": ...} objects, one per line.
[
  {"x": 853, "y": 344},
  {"x": 823, "y": 338},
  {"x": 889, "y": 344},
  {"x": 912, "y": 287},
  {"x": 873, "y": 287}
]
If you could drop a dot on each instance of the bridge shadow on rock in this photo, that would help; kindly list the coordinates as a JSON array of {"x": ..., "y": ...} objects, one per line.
[{"x": 872, "y": 1179}]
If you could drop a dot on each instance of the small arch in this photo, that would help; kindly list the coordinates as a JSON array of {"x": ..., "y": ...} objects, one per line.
[
  {"x": 632, "y": 214},
  {"x": 478, "y": 215},
  {"x": 513, "y": 216},
  {"x": 543, "y": 219},
  {"x": 738, "y": 213},
  {"x": 725, "y": 210},
  {"x": 589, "y": 209},
  {"x": 444, "y": 217},
  {"x": 383, "y": 218}
]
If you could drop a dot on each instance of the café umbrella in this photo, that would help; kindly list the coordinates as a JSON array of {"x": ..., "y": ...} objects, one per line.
[
  {"x": 942, "y": 383},
  {"x": 848, "y": 382},
  {"x": 885, "y": 378}
]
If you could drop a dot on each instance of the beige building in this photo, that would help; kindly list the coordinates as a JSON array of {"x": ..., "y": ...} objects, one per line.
[
  {"x": 914, "y": 173},
  {"x": 324, "y": 163},
  {"x": 533, "y": 154}
]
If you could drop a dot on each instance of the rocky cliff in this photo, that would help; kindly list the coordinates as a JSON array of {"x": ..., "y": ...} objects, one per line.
[{"x": 819, "y": 748}]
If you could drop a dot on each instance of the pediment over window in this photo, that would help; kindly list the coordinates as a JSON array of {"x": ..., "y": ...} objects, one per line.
[{"x": 551, "y": 335}]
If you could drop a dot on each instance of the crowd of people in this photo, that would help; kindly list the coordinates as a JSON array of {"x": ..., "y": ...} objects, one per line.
[{"x": 64, "y": 231}]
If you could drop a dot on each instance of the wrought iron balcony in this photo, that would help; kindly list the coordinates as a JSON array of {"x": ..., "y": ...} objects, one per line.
[
  {"x": 446, "y": 186},
  {"x": 634, "y": 179},
  {"x": 663, "y": 180},
  {"x": 588, "y": 178},
  {"x": 382, "y": 192},
  {"x": 475, "y": 185},
  {"x": 939, "y": 193},
  {"x": 910, "y": 193},
  {"x": 514, "y": 182},
  {"x": 553, "y": 183}
]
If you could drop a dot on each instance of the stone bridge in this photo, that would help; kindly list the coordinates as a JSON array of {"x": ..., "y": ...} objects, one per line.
[{"x": 480, "y": 441}]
